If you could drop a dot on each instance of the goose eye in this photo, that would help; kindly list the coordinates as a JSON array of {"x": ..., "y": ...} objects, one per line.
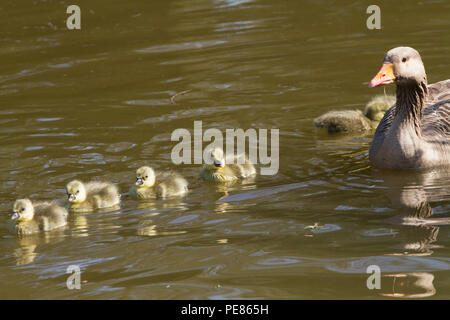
[
  {"x": 146, "y": 177},
  {"x": 404, "y": 60},
  {"x": 23, "y": 209},
  {"x": 78, "y": 191}
]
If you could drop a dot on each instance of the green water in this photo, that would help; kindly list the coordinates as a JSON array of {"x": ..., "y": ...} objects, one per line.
[{"x": 96, "y": 103}]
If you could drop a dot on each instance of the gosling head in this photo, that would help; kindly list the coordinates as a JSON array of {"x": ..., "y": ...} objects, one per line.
[
  {"x": 22, "y": 210},
  {"x": 401, "y": 65},
  {"x": 145, "y": 177},
  {"x": 377, "y": 107},
  {"x": 216, "y": 159},
  {"x": 75, "y": 191}
]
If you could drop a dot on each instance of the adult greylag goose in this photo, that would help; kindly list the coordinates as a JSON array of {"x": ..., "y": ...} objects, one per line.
[{"x": 415, "y": 132}]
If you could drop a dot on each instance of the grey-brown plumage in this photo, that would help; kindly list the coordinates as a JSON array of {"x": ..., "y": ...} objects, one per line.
[
  {"x": 355, "y": 120},
  {"x": 84, "y": 197},
  {"x": 32, "y": 217},
  {"x": 415, "y": 132}
]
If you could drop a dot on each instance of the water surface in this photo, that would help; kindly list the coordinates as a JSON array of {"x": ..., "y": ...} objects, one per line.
[{"x": 96, "y": 104}]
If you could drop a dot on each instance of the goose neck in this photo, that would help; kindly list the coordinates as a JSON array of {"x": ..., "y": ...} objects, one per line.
[{"x": 410, "y": 104}]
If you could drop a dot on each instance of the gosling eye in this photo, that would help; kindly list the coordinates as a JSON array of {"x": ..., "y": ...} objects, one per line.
[
  {"x": 78, "y": 191},
  {"x": 404, "y": 59},
  {"x": 23, "y": 209}
]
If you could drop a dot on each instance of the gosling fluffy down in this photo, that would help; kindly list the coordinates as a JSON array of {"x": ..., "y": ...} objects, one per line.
[
  {"x": 355, "y": 120},
  {"x": 151, "y": 185},
  {"x": 83, "y": 197},
  {"x": 377, "y": 107},
  {"x": 29, "y": 217},
  {"x": 221, "y": 169}
]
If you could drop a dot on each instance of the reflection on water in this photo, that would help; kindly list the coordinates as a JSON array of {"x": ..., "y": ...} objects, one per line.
[
  {"x": 413, "y": 194},
  {"x": 96, "y": 104},
  {"x": 27, "y": 251},
  {"x": 411, "y": 285}
]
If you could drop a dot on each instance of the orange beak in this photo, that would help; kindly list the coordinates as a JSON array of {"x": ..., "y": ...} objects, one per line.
[{"x": 384, "y": 76}]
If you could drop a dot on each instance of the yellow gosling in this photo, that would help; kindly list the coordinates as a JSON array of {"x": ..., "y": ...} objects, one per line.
[
  {"x": 377, "y": 107},
  {"x": 225, "y": 170},
  {"x": 343, "y": 121},
  {"x": 28, "y": 217},
  {"x": 150, "y": 185},
  {"x": 355, "y": 120},
  {"x": 91, "y": 196}
]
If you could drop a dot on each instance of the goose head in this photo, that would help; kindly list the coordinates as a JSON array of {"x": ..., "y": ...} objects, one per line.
[
  {"x": 22, "y": 210},
  {"x": 76, "y": 191},
  {"x": 145, "y": 177},
  {"x": 401, "y": 65},
  {"x": 215, "y": 159}
]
